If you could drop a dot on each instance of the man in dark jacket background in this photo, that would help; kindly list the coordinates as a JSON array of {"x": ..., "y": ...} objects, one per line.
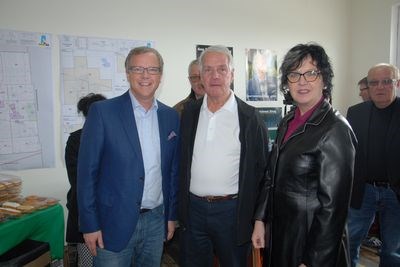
[{"x": 376, "y": 187}]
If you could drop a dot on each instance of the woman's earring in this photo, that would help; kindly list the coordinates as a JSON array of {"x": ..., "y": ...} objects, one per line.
[{"x": 285, "y": 89}]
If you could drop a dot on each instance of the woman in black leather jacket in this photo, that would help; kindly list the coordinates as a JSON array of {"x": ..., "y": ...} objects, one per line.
[{"x": 308, "y": 183}]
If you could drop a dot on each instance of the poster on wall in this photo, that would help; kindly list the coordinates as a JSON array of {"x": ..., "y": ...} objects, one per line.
[
  {"x": 261, "y": 75},
  {"x": 91, "y": 65},
  {"x": 201, "y": 48},
  {"x": 271, "y": 116},
  {"x": 26, "y": 101}
]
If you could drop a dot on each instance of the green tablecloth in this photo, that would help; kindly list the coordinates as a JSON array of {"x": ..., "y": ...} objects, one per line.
[{"x": 44, "y": 225}]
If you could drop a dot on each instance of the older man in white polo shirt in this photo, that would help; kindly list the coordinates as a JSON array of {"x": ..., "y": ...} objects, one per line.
[{"x": 223, "y": 159}]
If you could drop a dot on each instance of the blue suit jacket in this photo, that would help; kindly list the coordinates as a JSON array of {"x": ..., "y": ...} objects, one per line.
[{"x": 111, "y": 172}]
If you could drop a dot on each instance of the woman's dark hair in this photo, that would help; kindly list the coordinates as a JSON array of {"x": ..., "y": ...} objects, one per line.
[
  {"x": 85, "y": 102},
  {"x": 293, "y": 59}
]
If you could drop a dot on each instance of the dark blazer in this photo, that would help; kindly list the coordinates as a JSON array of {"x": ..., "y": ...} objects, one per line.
[
  {"x": 308, "y": 191},
  {"x": 111, "y": 171},
  {"x": 71, "y": 161},
  {"x": 359, "y": 119},
  {"x": 181, "y": 104},
  {"x": 253, "y": 137}
]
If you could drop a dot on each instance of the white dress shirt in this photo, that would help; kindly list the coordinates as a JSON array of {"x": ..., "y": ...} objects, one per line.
[{"x": 149, "y": 136}]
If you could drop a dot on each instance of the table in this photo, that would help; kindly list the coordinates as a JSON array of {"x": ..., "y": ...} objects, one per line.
[{"x": 45, "y": 225}]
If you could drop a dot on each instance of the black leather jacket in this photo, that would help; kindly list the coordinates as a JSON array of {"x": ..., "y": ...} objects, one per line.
[{"x": 307, "y": 191}]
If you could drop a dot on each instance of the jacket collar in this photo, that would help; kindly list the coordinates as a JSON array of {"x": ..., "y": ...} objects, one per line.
[{"x": 316, "y": 118}]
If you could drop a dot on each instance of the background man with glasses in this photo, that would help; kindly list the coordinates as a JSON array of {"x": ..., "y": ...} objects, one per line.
[
  {"x": 363, "y": 87},
  {"x": 196, "y": 89},
  {"x": 376, "y": 187},
  {"x": 128, "y": 170}
]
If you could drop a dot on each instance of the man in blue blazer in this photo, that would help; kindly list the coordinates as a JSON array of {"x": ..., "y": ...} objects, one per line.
[
  {"x": 376, "y": 186},
  {"x": 128, "y": 170}
]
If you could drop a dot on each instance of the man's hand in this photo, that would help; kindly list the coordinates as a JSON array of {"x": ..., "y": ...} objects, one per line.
[
  {"x": 258, "y": 237},
  {"x": 92, "y": 240},
  {"x": 171, "y": 230}
]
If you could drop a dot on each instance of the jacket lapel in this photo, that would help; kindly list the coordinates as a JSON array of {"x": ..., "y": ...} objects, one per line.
[
  {"x": 163, "y": 121},
  {"x": 243, "y": 113},
  {"x": 315, "y": 119},
  {"x": 129, "y": 124},
  {"x": 364, "y": 121},
  {"x": 394, "y": 126},
  {"x": 284, "y": 126},
  {"x": 192, "y": 125}
]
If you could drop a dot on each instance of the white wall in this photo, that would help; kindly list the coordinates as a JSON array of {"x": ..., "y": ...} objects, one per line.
[
  {"x": 369, "y": 40},
  {"x": 355, "y": 34}
]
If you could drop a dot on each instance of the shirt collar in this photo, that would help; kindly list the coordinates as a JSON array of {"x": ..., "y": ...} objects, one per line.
[
  {"x": 230, "y": 105},
  {"x": 137, "y": 105},
  {"x": 303, "y": 118}
]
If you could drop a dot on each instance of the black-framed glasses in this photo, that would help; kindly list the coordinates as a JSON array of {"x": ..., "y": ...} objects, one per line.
[
  {"x": 141, "y": 70},
  {"x": 194, "y": 78},
  {"x": 384, "y": 82},
  {"x": 309, "y": 76}
]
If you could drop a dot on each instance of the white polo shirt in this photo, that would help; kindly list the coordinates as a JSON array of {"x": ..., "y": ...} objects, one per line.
[{"x": 216, "y": 152}]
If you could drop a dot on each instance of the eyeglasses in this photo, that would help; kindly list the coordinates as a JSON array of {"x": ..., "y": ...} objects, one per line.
[
  {"x": 140, "y": 70},
  {"x": 309, "y": 76},
  {"x": 365, "y": 88},
  {"x": 194, "y": 78},
  {"x": 384, "y": 82}
]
